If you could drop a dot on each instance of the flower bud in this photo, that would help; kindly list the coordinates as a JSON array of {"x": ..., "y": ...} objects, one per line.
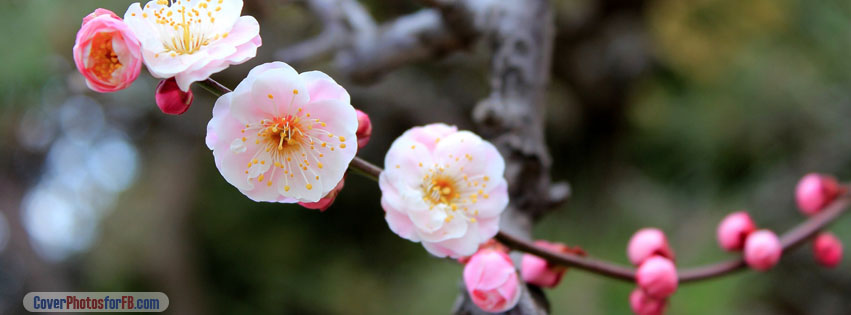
[
  {"x": 827, "y": 249},
  {"x": 734, "y": 230},
  {"x": 170, "y": 99},
  {"x": 537, "y": 271},
  {"x": 491, "y": 244},
  {"x": 657, "y": 276},
  {"x": 762, "y": 250},
  {"x": 106, "y": 52},
  {"x": 99, "y": 12},
  {"x": 642, "y": 304},
  {"x": 326, "y": 201},
  {"x": 491, "y": 281},
  {"x": 364, "y": 129},
  {"x": 646, "y": 243},
  {"x": 815, "y": 191}
]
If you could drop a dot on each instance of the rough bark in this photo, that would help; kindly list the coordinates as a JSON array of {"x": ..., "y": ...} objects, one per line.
[{"x": 520, "y": 36}]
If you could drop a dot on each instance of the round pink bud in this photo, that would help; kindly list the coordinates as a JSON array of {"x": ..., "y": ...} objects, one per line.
[
  {"x": 537, "y": 271},
  {"x": 827, "y": 249},
  {"x": 364, "y": 129},
  {"x": 734, "y": 230},
  {"x": 326, "y": 201},
  {"x": 816, "y": 191},
  {"x": 106, "y": 52},
  {"x": 491, "y": 281},
  {"x": 646, "y": 243},
  {"x": 657, "y": 276},
  {"x": 99, "y": 12},
  {"x": 170, "y": 99},
  {"x": 642, "y": 304},
  {"x": 762, "y": 250}
]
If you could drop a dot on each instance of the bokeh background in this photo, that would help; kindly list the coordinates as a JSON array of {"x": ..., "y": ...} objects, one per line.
[{"x": 664, "y": 113}]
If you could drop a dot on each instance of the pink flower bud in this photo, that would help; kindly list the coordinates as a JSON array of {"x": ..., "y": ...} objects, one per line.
[
  {"x": 827, "y": 249},
  {"x": 734, "y": 230},
  {"x": 491, "y": 244},
  {"x": 657, "y": 276},
  {"x": 762, "y": 250},
  {"x": 642, "y": 304},
  {"x": 170, "y": 99},
  {"x": 491, "y": 281},
  {"x": 537, "y": 271},
  {"x": 364, "y": 129},
  {"x": 326, "y": 201},
  {"x": 815, "y": 191},
  {"x": 106, "y": 52},
  {"x": 98, "y": 12},
  {"x": 646, "y": 243}
]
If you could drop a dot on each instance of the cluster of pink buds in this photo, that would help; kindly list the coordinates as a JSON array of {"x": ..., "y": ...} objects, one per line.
[
  {"x": 656, "y": 275},
  {"x": 762, "y": 248},
  {"x": 813, "y": 193}
]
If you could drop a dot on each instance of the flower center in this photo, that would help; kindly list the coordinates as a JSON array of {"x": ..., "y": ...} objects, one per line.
[
  {"x": 449, "y": 185},
  {"x": 187, "y": 29},
  {"x": 102, "y": 57},
  {"x": 294, "y": 144},
  {"x": 282, "y": 133},
  {"x": 440, "y": 189}
]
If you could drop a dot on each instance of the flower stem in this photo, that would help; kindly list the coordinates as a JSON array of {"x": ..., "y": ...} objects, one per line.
[{"x": 214, "y": 87}]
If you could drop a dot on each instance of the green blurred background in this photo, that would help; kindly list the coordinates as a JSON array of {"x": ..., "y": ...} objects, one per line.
[{"x": 664, "y": 113}]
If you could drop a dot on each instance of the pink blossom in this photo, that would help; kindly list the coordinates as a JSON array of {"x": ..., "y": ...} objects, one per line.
[
  {"x": 326, "y": 201},
  {"x": 657, "y": 276},
  {"x": 282, "y": 136},
  {"x": 734, "y": 229},
  {"x": 537, "y": 271},
  {"x": 106, "y": 52},
  {"x": 827, "y": 249},
  {"x": 815, "y": 191},
  {"x": 762, "y": 250},
  {"x": 646, "y": 243},
  {"x": 190, "y": 40},
  {"x": 364, "y": 129},
  {"x": 170, "y": 99},
  {"x": 444, "y": 188},
  {"x": 642, "y": 304},
  {"x": 491, "y": 281}
]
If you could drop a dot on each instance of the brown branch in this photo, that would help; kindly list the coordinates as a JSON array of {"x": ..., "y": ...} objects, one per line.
[
  {"x": 365, "y": 168},
  {"x": 593, "y": 265},
  {"x": 343, "y": 21},
  {"x": 364, "y": 51},
  {"x": 214, "y": 87},
  {"x": 790, "y": 240}
]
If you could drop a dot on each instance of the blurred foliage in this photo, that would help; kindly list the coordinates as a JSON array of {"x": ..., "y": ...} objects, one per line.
[{"x": 741, "y": 99}]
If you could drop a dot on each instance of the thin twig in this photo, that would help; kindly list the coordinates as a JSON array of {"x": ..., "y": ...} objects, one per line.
[
  {"x": 214, "y": 87},
  {"x": 790, "y": 240}
]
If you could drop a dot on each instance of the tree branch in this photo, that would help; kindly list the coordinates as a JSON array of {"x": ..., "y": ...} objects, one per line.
[
  {"x": 789, "y": 240},
  {"x": 365, "y": 51},
  {"x": 344, "y": 21}
]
